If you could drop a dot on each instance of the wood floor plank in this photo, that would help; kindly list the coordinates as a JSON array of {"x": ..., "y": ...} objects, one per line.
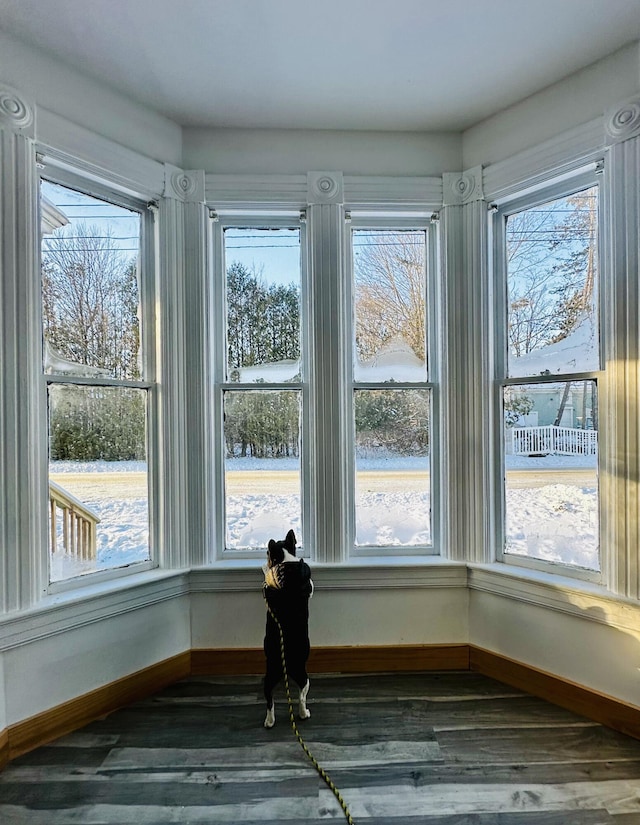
[
  {"x": 404, "y": 749},
  {"x": 536, "y": 745},
  {"x": 420, "y": 774}
]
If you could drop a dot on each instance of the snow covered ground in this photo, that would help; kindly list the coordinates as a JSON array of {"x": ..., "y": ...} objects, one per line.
[{"x": 554, "y": 520}]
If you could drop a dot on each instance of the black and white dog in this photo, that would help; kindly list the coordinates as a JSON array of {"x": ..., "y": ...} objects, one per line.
[{"x": 287, "y": 589}]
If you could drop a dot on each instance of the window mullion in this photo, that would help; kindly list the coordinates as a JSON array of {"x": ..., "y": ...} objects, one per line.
[
  {"x": 620, "y": 388},
  {"x": 23, "y": 481},
  {"x": 173, "y": 543},
  {"x": 329, "y": 420},
  {"x": 466, "y": 388},
  {"x": 217, "y": 354}
]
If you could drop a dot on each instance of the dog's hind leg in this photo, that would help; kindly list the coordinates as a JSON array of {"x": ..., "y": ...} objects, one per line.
[
  {"x": 303, "y": 710},
  {"x": 271, "y": 679},
  {"x": 298, "y": 673},
  {"x": 270, "y": 718}
]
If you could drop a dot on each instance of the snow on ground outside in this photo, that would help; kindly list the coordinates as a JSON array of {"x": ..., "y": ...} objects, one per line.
[{"x": 555, "y": 521}]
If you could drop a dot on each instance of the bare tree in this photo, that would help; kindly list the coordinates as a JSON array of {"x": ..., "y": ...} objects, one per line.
[
  {"x": 90, "y": 300},
  {"x": 390, "y": 290},
  {"x": 551, "y": 265}
]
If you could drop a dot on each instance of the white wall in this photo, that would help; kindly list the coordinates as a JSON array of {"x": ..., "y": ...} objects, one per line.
[
  {"x": 578, "y": 99},
  {"x": 63, "y": 90},
  {"x": 273, "y": 151},
  {"x": 338, "y": 618},
  {"x": 53, "y": 670},
  {"x": 584, "y": 650}
]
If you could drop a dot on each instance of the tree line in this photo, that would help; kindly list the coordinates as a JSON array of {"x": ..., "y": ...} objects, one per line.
[{"x": 90, "y": 315}]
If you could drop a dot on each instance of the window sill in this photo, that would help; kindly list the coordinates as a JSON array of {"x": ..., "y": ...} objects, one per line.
[
  {"x": 575, "y": 597},
  {"x": 89, "y": 602},
  {"x": 359, "y": 573},
  {"x": 96, "y": 601}
]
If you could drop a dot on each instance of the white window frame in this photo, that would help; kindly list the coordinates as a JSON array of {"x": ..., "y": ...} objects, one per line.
[
  {"x": 101, "y": 191},
  {"x": 430, "y": 383},
  {"x": 258, "y": 220},
  {"x": 546, "y": 192}
]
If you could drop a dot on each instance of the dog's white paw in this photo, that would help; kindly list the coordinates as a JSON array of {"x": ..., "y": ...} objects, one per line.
[
  {"x": 303, "y": 710},
  {"x": 270, "y": 718}
]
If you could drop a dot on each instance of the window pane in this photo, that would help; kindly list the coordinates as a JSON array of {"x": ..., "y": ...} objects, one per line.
[
  {"x": 262, "y": 466},
  {"x": 263, "y": 304},
  {"x": 392, "y": 467},
  {"x": 551, "y": 476},
  {"x": 98, "y": 491},
  {"x": 552, "y": 276},
  {"x": 389, "y": 295},
  {"x": 90, "y": 290}
]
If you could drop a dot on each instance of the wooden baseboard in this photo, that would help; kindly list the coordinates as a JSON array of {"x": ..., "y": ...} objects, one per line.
[
  {"x": 364, "y": 659},
  {"x": 388, "y": 658},
  {"x": 238, "y": 661},
  {"x": 597, "y": 706},
  {"x": 50, "y": 724}
]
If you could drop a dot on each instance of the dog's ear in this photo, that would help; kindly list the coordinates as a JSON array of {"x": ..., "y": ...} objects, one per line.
[
  {"x": 290, "y": 542},
  {"x": 276, "y": 551}
]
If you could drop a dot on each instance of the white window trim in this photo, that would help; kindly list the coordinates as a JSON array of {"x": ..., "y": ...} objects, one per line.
[
  {"x": 101, "y": 190},
  {"x": 556, "y": 187},
  {"x": 219, "y": 221},
  {"x": 374, "y": 220}
]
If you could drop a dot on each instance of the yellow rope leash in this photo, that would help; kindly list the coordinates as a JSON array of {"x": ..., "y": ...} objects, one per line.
[{"x": 298, "y": 736}]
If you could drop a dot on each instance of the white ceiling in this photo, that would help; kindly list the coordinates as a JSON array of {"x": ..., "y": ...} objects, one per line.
[{"x": 334, "y": 64}]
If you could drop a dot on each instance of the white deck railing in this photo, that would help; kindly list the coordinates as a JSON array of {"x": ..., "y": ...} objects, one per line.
[
  {"x": 550, "y": 439},
  {"x": 78, "y": 524}
]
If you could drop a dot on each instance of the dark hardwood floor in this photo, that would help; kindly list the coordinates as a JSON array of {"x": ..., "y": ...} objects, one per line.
[{"x": 427, "y": 748}]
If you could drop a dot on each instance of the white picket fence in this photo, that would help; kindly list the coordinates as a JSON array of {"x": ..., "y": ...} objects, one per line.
[{"x": 550, "y": 439}]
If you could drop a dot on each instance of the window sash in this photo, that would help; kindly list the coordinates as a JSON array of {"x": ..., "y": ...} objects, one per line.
[
  {"x": 541, "y": 196},
  {"x": 383, "y": 223},
  {"x": 102, "y": 192},
  {"x": 222, "y": 385},
  {"x": 278, "y": 497},
  {"x": 521, "y": 203}
]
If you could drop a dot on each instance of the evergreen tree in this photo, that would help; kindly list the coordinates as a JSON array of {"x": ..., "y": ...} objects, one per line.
[
  {"x": 264, "y": 424},
  {"x": 263, "y": 327},
  {"x": 396, "y": 421},
  {"x": 263, "y": 322}
]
